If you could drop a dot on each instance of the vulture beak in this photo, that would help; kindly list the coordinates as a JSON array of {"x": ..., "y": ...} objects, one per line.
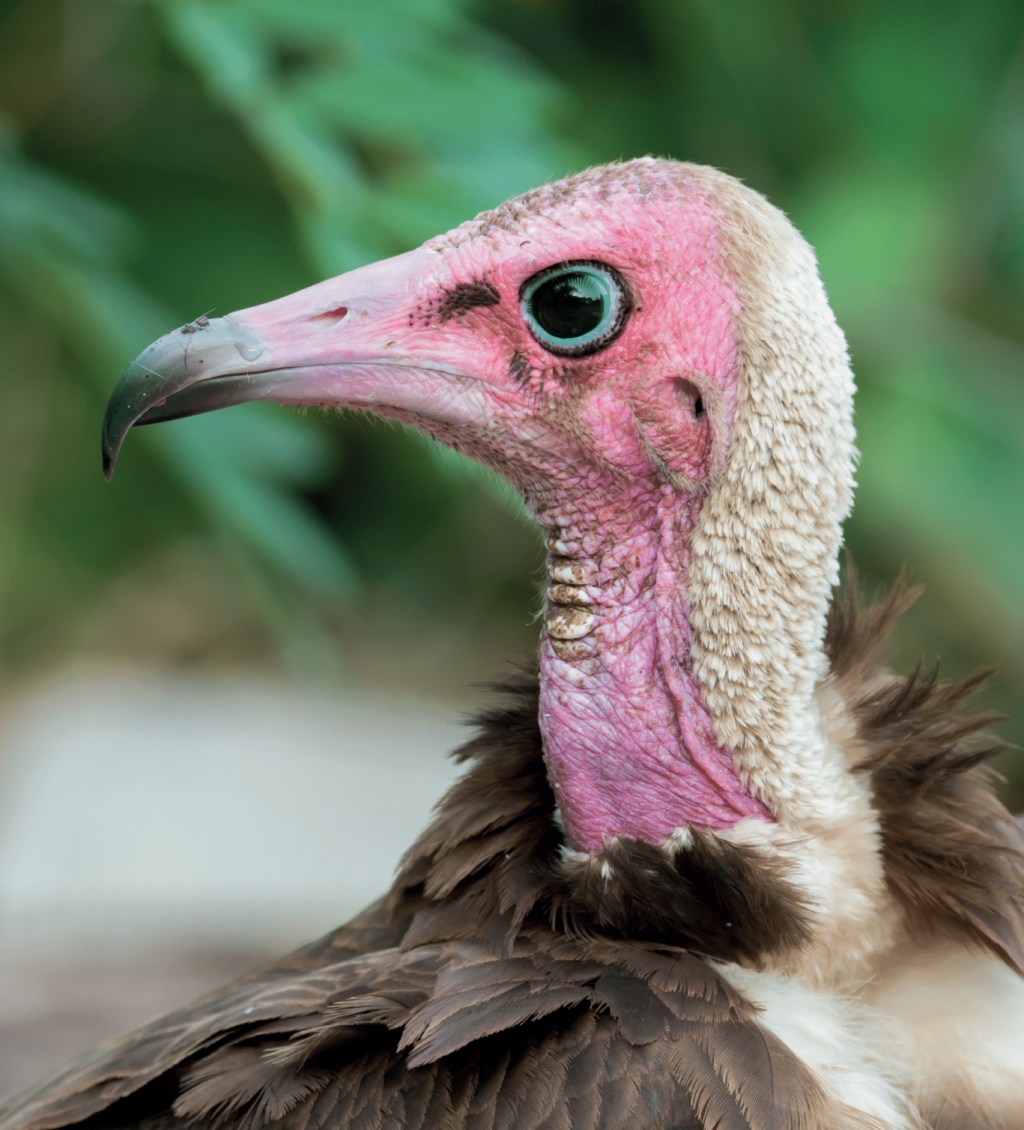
[
  {"x": 207, "y": 364},
  {"x": 359, "y": 340}
]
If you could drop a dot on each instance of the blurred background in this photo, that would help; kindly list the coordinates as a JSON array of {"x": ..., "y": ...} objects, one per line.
[{"x": 229, "y": 678}]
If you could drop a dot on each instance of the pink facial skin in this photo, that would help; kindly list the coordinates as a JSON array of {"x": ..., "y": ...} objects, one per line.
[{"x": 614, "y": 452}]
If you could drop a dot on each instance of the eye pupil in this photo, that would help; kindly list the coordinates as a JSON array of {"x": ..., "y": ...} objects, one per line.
[
  {"x": 569, "y": 306},
  {"x": 575, "y": 308}
]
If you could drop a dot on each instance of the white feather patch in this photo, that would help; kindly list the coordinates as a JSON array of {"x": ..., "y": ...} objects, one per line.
[
  {"x": 854, "y": 1051},
  {"x": 959, "y": 1016}
]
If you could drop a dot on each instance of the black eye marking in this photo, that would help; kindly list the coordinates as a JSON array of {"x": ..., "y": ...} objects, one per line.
[
  {"x": 464, "y": 297},
  {"x": 519, "y": 367}
]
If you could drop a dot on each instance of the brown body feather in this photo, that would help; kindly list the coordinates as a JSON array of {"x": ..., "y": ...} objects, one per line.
[
  {"x": 954, "y": 856},
  {"x": 504, "y": 983}
]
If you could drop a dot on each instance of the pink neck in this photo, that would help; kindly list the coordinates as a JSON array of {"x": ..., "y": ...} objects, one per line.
[{"x": 629, "y": 743}]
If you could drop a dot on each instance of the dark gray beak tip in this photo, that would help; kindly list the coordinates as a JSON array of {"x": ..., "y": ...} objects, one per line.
[
  {"x": 110, "y": 449},
  {"x": 110, "y": 443},
  {"x": 176, "y": 376},
  {"x": 123, "y": 409}
]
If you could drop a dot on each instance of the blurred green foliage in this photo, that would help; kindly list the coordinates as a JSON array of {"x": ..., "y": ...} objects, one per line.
[{"x": 159, "y": 158}]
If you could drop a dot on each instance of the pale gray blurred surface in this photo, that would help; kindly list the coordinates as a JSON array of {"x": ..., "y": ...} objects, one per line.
[
  {"x": 54, "y": 1007},
  {"x": 160, "y": 834}
]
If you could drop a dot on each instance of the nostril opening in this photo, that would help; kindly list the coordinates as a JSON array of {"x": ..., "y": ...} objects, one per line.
[
  {"x": 698, "y": 407},
  {"x": 336, "y": 314}
]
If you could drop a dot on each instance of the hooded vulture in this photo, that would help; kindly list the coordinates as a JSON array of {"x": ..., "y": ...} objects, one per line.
[{"x": 709, "y": 866}]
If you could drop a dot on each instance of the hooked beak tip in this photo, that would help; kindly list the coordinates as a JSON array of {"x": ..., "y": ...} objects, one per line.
[
  {"x": 110, "y": 446},
  {"x": 174, "y": 376}
]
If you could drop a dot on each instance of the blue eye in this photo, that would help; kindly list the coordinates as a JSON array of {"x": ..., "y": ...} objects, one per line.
[{"x": 575, "y": 308}]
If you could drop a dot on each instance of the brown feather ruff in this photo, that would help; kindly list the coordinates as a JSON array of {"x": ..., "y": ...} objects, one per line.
[
  {"x": 498, "y": 985},
  {"x": 953, "y": 854},
  {"x": 506, "y": 983},
  {"x": 494, "y": 856}
]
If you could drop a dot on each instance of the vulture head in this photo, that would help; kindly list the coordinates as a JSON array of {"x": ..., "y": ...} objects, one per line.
[
  {"x": 713, "y": 867},
  {"x": 646, "y": 352}
]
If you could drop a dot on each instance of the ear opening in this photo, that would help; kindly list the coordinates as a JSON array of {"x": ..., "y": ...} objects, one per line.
[
  {"x": 689, "y": 397},
  {"x": 707, "y": 403},
  {"x": 678, "y": 424}
]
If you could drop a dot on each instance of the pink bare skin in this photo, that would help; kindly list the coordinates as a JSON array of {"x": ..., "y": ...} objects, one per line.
[{"x": 614, "y": 453}]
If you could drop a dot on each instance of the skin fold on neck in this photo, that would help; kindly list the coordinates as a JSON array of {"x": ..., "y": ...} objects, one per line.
[{"x": 629, "y": 742}]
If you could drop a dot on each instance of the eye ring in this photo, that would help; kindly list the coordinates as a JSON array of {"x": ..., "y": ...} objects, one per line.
[{"x": 575, "y": 308}]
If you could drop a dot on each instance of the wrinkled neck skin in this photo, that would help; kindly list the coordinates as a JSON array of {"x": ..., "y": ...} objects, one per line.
[{"x": 629, "y": 742}]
